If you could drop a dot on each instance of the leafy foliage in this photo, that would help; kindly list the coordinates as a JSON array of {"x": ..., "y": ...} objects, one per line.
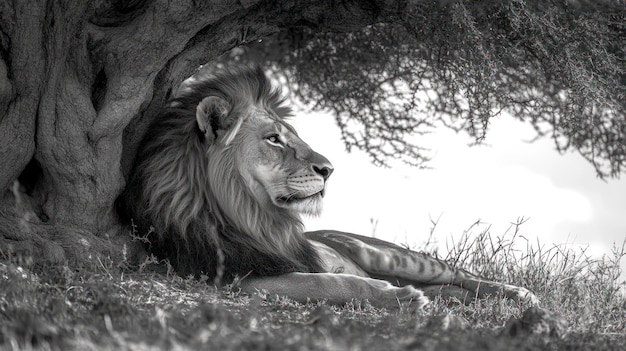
[{"x": 559, "y": 65}]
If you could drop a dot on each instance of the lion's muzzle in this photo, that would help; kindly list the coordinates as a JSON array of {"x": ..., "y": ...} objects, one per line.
[{"x": 320, "y": 165}]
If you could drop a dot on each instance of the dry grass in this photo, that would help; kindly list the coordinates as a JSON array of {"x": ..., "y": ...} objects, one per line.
[
  {"x": 585, "y": 290},
  {"x": 105, "y": 307}
]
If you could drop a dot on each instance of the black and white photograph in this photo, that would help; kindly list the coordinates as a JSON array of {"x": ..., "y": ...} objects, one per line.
[{"x": 313, "y": 175}]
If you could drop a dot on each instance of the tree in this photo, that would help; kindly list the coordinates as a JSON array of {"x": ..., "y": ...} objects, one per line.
[{"x": 80, "y": 81}]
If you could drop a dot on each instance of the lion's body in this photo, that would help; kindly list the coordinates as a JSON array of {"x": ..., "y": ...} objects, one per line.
[{"x": 220, "y": 182}]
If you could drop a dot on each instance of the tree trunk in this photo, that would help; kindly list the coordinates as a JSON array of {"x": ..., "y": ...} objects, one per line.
[{"x": 80, "y": 81}]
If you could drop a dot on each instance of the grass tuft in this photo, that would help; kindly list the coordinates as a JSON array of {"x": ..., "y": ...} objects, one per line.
[{"x": 586, "y": 291}]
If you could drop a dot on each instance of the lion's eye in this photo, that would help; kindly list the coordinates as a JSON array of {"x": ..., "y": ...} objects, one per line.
[{"x": 274, "y": 139}]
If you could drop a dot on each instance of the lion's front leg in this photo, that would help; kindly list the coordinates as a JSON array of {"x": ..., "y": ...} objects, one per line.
[
  {"x": 337, "y": 289},
  {"x": 402, "y": 266},
  {"x": 473, "y": 287},
  {"x": 483, "y": 287}
]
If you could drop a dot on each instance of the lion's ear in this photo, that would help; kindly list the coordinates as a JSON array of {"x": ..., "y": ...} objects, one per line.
[{"x": 210, "y": 115}]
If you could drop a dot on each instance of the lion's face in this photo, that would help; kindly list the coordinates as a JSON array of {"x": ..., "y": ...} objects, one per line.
[{"x": 278, "y": 167}]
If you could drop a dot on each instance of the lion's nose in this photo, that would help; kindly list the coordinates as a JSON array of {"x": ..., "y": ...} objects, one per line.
[{"x": 324, "y": 170}]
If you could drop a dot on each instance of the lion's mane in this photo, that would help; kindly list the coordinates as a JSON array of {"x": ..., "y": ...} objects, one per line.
[{"x": 193, "y": 202}]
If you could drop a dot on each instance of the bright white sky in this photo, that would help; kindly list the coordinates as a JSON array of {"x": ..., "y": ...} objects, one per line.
[{"x": 496, "y": 184}]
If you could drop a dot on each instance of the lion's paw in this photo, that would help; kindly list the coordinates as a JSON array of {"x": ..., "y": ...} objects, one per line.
[
  {"x": 415, "y": 298},
  {"x": 385, "y": 294},
  {"x": 521, "y": 294}
]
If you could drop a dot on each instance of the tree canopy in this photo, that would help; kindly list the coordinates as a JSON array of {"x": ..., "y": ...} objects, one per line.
[{"x": 558, "y": 65}]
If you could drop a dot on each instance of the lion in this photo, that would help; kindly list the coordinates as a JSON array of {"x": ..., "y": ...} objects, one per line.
[{"x": 220, "y": 182}]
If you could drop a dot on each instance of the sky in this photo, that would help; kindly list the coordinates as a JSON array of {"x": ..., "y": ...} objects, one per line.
[{"x": 497, "y": 183}]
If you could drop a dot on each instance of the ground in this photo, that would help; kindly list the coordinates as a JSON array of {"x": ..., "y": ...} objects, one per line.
[{"x": 110, "y": 307}]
